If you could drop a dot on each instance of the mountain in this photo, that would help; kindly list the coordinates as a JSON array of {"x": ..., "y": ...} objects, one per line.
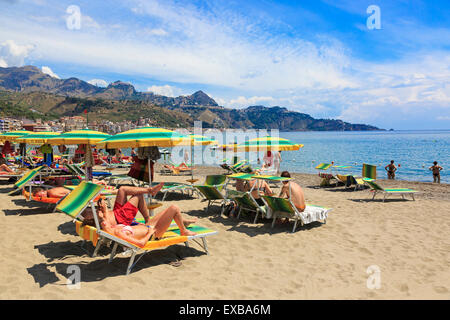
[{"x": 29, "y": 92}]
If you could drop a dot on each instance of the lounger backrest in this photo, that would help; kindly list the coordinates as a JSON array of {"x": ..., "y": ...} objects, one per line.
[
  {"x": 239, "y": 164},
  {"x": 215, "y": 180},
  {"x": 374, "y": 185},
  {"x": 210, "y": 192},
  {"x": 27, "y": 177},
  {"x": 246, "y": 201},
  {"x": 369, "y": 171},
  {"x": 75, "y": 169},
  {"x": 323, "y": 166},
  {"x": 279, "y": 205},
  {"x": 77, "y": 200}
]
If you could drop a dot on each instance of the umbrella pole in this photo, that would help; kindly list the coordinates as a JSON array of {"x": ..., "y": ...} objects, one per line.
[
  {"x": 192, "y": 162},
  {"x": 150, "y": 177}
]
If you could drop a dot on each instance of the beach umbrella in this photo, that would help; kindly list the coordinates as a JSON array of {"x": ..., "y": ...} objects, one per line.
[
  {"x": 146, "y": 137},
  {"x": 84, "y": 136},
  {"x": 268, "y": 143},
  {"x": 12, "y": 135},
  {"x": 37, "y": 138}
]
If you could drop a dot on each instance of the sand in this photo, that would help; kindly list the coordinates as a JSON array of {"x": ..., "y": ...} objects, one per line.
[{"x": 408, "y": 241}]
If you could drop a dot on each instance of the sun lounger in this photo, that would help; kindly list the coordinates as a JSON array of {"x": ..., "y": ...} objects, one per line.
[
  {"x": 284, "y": 208},
  {"x": 376, "y": 188},
  {"x": 326, "y": 177},
  {"x": 76, "y": 169},
  {"x": 246, "y": 202},
  {"x": 369, "y": 171},
  {"x": 173, "y": 187},
  {"x": 28, "y": 179},
  {"x": 83, "y": 196},
  {"x": 211, "y": 194}
]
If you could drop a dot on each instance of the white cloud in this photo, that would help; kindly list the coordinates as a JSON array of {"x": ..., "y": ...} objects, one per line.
[
  {"x": 49, "y": 71},
  {"x": 165, "y": 90},
  {"x": 156, "y": 32},
  {"x": 98, "y": 82},
  {"x": 245, "y": 102},
  {"x": 13, "y": 54}
]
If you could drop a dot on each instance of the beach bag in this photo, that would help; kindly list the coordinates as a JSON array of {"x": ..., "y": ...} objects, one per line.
[{"x": 139, "y": 169}]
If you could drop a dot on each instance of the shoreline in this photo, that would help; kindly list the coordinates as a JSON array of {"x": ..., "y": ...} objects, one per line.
[{"x": 316, "y": 174}]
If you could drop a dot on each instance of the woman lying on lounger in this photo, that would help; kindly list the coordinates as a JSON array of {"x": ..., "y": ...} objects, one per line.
[
  {"x": 4, "y": 169},
  {"x": 139, "y": 234}
]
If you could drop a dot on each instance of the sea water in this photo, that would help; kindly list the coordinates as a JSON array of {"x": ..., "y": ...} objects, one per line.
[{"x": 412, "y": 151}]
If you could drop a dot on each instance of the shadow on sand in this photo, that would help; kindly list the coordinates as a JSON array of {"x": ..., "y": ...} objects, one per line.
[
  {"x": 99, "y": 269},
  {"x": 245, "y": 223}
]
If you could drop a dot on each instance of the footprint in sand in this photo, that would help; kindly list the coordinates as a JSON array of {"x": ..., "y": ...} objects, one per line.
[
  {"x": 365, "y": 250},
  {"x": 440, "y": 289}
]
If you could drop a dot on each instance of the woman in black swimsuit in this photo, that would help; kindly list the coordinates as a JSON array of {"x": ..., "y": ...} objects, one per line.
[{"x": 391, "y": 168}]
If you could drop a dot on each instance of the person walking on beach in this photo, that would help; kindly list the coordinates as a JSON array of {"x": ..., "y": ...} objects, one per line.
[
  {"x": 391, "y": 168},
  {"x": 436, "y": 169}
]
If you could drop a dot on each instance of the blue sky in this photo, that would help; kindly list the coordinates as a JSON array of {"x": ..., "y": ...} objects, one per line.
[{"x": 317, "y": 57}]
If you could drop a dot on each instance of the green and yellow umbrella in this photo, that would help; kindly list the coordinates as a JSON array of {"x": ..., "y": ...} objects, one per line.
[
  {"x": 13, "y": 135},
  {"x": 37, "y": 138},
  {"x": 145, "y": 137},
  {"x": 83, "y": 136},
  {"x": 202, "y": 140},
  {"x": 268, "y": 144}
]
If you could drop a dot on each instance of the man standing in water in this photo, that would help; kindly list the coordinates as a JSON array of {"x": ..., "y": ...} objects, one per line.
[
  {"x": 436, "y": 169},
  {"x": 391, "y": 168}
]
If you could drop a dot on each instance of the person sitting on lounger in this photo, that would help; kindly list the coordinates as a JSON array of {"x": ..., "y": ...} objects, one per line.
[
  {"x": 261, "y": 188},
  {"x": 391, "y": 168},
  {"x": 296, "y": 192},
  {"x": 4, "y": 169},
  {"x": 140, "y": 234},
  {"x": 57, "y": 192}
]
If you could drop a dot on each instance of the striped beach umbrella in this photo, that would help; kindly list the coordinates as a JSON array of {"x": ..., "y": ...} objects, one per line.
[
  {"x": 13, "y": 135},
  {"x": 268, "y": 144},
  {"x": 145, "y": 137},
  {"x": 37, "y": 138},
  {"x": 202, "y": 140},
  {"x": 83, "y": 136}
]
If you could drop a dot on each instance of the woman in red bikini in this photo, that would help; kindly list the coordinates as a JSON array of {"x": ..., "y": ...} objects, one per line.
[{"x": 120, "y": 221}]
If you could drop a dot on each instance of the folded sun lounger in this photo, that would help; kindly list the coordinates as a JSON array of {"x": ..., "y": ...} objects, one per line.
[{"x": 376, "y": 188}]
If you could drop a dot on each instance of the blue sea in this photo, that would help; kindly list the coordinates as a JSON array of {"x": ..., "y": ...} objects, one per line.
[{"x": 412, "y": 151}]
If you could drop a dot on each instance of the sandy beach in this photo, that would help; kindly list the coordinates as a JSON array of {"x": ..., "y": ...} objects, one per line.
[{"x": 407, "y": 240}]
